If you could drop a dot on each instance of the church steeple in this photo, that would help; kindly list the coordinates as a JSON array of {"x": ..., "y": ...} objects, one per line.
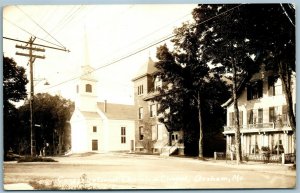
[
  {"x": 86, "y": 60},
  {"x": 86, "y": 99},
  {"x": 86, "y": 68}
]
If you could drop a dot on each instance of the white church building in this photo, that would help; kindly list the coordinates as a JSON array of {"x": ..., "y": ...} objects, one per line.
[{"x": 99, "y": 126}]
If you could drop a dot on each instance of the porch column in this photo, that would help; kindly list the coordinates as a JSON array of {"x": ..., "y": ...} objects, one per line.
[
  {"x": 285, "y": 142},
  {"x": 243, "y": 143},
  {"x": 255, "y": 143},
  {"x": 227, "y": 143}
]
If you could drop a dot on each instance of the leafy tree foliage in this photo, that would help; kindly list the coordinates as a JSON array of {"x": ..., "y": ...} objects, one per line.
[
  {"x": 232, "y": 33},
  {"x": 189, "y": 92},
  {"x": 225, "y": 43},
  {"x": 236, "y": 39},
  {"x": 14, "y": 81},
  {"x": 276, "y": 45},
  {"x": 50, "y": 115},
  {"x": 14, "y": 90}
]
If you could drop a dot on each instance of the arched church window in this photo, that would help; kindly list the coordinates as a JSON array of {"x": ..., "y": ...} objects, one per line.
[{"x": 88, "y": 88}]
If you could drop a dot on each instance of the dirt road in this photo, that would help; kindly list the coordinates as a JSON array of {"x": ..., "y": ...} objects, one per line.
[{"x": 129, "y": 171}]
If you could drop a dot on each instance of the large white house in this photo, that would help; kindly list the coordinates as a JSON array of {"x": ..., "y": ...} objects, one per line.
[{"x": 263, "y": 116}]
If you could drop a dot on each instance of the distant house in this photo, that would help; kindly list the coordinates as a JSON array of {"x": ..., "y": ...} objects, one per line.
[
  {"x": 263, "y": 116},
  {"x": 99, "y": 126},
  {"x": 150, "y": 136}
]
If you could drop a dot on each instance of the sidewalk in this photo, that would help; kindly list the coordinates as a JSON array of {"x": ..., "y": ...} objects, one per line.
[
  {"x": 17, "y": 186},
  {"x": 274, "y": 168}
]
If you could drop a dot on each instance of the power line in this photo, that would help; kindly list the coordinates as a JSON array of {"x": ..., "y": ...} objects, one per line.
[
  {"x": 287, "y": 15},
  {"x": 17, "y": 26},
  {"x": 39, "y": 26},
  {"x": 140, "y": 50},
  {"x": 37, "y": 44},
  {"x": 113, "y": 20},
  {"x": 29, "y": 32},
  {"x": 68, "y": 19},
  {"x": 64, "y": 19},
  {"x": 108, "y": 64},
  {"x": 149, "y": 34},
  {"x": 47, "y": 15}
]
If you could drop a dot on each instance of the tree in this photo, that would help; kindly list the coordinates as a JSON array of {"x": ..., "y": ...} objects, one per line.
[
  {"x": 14, "y": 81},
  {"x": 232, "y": 33},
  {"x": 186, "y": 78},
  {"x": 14, "y": 90},
  {"x": 224, "y": 43},
  {"x": 51, "y": 115}
]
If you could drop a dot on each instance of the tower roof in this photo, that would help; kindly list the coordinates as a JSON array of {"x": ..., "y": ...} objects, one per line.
[
  {"x": 86, "y": 69},
  {"x": 147, "y": 69}
]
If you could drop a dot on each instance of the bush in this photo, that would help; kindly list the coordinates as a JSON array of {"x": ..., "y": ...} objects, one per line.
[
  {"x": 265, "y": 149},
  {"x": 36, "y": 159},
  {"x": 246, "y": 158},
  {"x": 39, "y": 186},
  {"x": 12, "y": 157}
]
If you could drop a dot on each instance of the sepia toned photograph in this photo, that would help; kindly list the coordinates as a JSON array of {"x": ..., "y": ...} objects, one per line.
[{"x": 149, "y": 96}]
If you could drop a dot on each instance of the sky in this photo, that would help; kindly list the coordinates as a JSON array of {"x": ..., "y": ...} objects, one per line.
[{"x": 112, "y": 32}]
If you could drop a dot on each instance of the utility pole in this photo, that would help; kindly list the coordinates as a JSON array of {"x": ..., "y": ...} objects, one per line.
[{"x": 32, "y": 57}]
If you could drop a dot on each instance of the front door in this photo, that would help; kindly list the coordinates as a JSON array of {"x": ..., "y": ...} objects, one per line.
[
  {"x": 94, "y": 145},
  {"x": 174, "y": 138}
]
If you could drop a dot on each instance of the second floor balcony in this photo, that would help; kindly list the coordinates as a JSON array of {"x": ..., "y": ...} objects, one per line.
[{"x": 260, "y": 128}]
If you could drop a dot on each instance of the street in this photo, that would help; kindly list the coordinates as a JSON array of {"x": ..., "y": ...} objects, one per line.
[{"x": 131, "y": 171}]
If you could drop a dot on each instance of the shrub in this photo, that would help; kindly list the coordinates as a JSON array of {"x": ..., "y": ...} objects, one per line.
[
  {"x": 39, "y": 186},
  {"x": 36, "y": 159}
]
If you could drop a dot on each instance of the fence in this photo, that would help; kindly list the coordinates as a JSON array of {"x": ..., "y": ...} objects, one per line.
[{"x": 264, "y": 157}]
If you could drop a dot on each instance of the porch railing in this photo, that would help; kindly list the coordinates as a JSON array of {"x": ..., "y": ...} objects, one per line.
[
  {"x": 259, "y": 126},
  {"x": 262, "y": 157}
]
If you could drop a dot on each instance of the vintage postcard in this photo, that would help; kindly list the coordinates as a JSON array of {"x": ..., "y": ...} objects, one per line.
[{"x": 149, "y": 96}]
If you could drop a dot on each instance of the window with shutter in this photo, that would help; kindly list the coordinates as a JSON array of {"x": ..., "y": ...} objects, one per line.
[
  {"x": 284, "y": 114},
  {"x": 250, "y": 116},
  {"x": 260, "y": 118},
  {"x": 154, "y": 132},
  {"x": 255, "y": 90},
  {"x": 272, "y": 117},
  {"x": 141, "y": 133},
  {"x": 241, "y": 118},
  {"x": 123, "y": 134},
  {"x": 271, "y": 86}
]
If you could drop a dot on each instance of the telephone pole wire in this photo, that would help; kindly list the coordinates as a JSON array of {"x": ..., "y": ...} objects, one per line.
[{"x": 32, "y": 57}]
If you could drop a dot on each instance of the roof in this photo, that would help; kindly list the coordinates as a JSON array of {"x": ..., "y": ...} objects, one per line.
[
  {"x": 147, "y": 69},
  {"x": 240, "y": 87},
  {"x": 90, "y": 115},
  {"x": 87, "y": 73},
  {"x": 118, "y": 111},
  {"x": 151, "y": 95},
  {"x": 243, "y": 83}
]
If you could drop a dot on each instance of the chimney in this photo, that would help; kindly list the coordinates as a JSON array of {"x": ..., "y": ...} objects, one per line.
[{"x": 105, "y": 106}]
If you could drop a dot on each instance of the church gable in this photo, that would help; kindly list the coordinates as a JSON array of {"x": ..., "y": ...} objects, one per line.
[
  {"x": 117, "y": 111},
  {"x": 76, "y": 116}
]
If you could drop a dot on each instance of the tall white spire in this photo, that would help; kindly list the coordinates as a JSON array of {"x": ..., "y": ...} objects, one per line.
[
  {"x": 86, "y": 68},
  {"x": 86, "y": 60}
]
